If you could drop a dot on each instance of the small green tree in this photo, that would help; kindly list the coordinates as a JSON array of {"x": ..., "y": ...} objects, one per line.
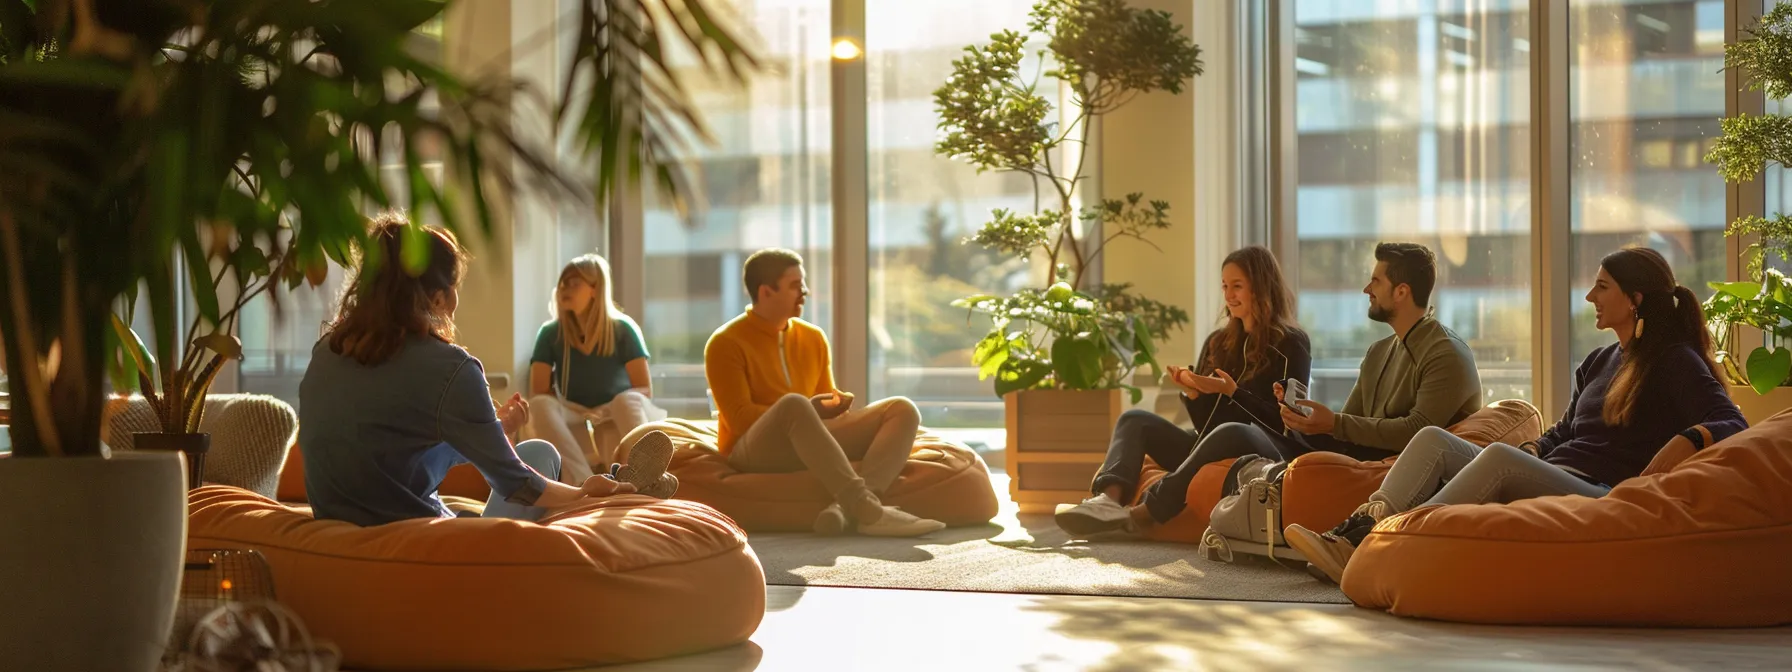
[
  {"x": 1748, "y": 144},
  {"x": 1069, "y": 335}
]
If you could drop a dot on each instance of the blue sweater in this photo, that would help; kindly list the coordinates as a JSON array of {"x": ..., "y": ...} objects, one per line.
[
  {"x": 1679, "y": 393},
  {"x": 377, "y": 440}
]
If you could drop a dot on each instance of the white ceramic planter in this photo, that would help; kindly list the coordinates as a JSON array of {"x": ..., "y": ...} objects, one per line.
[{"x": 90, "y": 560}]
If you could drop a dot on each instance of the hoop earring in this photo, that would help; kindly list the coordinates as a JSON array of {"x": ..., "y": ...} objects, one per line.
[{"x": 1638, "y": 333}]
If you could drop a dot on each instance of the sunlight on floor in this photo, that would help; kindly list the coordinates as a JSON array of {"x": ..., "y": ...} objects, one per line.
[{"x": 835, "y": 629}]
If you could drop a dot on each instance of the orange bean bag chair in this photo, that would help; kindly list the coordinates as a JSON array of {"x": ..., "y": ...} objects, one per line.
[
  {"x": 943, "y": 481},
  {"x": 620, "y": 579},
  {"x": 1320, "y": 490},
  {"x": 1702, "y": 542}
]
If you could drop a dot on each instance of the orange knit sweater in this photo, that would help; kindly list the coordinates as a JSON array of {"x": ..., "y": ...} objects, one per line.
[{"x": 746, "y": 375}]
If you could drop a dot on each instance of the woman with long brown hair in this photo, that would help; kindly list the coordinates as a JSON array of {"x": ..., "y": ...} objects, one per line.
[
  {"x": 389, "y": 403},
  {"x": 1656, "y": 387},
  {"x": 589, "y": 370},
  {"x": 1229, "y": 394}
]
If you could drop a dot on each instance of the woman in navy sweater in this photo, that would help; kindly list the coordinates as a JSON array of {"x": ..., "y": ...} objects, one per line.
[
  {"x": 389, "y": 403},
  {"x": 1229, "y": 394},
  {"x": 1656, "y": 385}
]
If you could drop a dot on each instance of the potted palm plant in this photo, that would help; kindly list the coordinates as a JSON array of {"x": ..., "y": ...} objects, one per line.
[
  {"x": 243, "y": 264},
  {"x": 127, "y": 131},
  {"x": 1063, "y": 351},
  {"x": 1751, "y": 321}
]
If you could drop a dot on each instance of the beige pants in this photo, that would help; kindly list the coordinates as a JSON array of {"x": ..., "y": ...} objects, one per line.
[
  {"x": 791, "y": 436},
  {"x": 586, "y": 436}
]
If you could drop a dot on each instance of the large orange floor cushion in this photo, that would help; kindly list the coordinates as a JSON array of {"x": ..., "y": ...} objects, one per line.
[
  {"x": 1320, "y": 490},
  {"x": 1706, "y": 543},
  {"x": 943, "y": 481},
  {"x": 620, "y": 579}
]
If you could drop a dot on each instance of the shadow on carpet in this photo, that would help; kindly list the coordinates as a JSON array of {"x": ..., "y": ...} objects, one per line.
[{"x": 1029, "y": 554}]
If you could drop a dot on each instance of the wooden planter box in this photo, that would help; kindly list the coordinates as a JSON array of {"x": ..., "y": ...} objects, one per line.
[
  {"x": 1756, "y": 407},
  {"x": 1057, "y": 440}
]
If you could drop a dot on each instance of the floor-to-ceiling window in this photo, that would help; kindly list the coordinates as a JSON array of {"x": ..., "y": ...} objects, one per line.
[
  {"x": 765, "y": 183},
  {"x": 1412, "y": 122},
  {"x": 922, "y": 206},
  {"x": 1646, "y": 89}
]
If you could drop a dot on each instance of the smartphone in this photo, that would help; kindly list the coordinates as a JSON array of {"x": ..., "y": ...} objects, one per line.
[{"x": 1293, "y": 391}]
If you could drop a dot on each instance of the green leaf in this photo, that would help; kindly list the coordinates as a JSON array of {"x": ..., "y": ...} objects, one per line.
[
  {"x": 973, "y": 300},
  {"x": 414, "y": 254},
  {"x": 18, "y": 28},
  {"x": 1077, "y": 361},
  {"x": 1767, "y": 369},
  {"x": 251, "y": 261},
  {"x": 1020, "y": 374},
  {"x": 989, "y": 354},
  {"x": 1136, "y": 393},
  {"x": 1740, "y": 290},
  {"x": 204, "y": 292},
  {"x": 138, "y": 356},
  {"x": 226, "y": 345}
]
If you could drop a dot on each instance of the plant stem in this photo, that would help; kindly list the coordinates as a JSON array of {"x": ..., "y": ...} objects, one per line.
[{"x": 37, "y": 390}]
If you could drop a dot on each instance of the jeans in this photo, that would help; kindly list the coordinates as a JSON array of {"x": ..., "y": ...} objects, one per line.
[
  {"x": 1140, "y": 433},
  {"x": 545, "y": 460},
  {"x": 1438, "y": 467}
]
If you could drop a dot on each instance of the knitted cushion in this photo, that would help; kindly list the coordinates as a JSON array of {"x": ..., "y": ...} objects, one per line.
[{"x": 250, "y": 435}]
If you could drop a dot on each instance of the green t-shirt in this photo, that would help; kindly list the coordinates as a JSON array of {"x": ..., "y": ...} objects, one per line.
[{"x": 591, "y": 380}]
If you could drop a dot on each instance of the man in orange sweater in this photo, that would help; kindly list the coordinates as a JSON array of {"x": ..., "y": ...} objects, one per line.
[{"x": 773, "y": 382}]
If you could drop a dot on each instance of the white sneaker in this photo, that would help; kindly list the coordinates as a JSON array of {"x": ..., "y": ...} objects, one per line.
[
  {"x": 898, "y": 523},
  {"x": 1095, "y": 515}
]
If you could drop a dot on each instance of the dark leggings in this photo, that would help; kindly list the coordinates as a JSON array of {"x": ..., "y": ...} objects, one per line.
[{"x": 1140, "y": 433}]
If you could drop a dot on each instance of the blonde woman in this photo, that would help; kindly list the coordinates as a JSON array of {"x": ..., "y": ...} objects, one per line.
[{"x": 589, "y": 369}]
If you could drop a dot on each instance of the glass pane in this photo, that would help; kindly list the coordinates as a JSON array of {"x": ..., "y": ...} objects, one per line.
[
  {"x": 765, "y": 184},
  {"x": 1778, "y": 183},
  {"x": 1413, "y": 123},
  {"x": 1646, "y": 89},
  {"x": 922, "y": 206}
]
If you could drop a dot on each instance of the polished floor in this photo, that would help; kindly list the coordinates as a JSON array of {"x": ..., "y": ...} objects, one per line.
[{"x": 838, "y": 629}]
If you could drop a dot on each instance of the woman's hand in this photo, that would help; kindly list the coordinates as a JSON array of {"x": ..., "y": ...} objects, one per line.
[
  {"x": 514, "y": 414},
  {"x": 560, "y": 495},
  {"x": 1194, "y": 384}
]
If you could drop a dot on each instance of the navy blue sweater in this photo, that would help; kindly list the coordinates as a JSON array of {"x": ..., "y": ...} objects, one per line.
[
  {"x": 1255, "y": 399},
  {"x": 1679, "y": 393},
  {"x": 378, "y": 440}
]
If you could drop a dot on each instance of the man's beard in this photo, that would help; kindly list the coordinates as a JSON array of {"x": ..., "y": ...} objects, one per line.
[{"x": 1378, "y": 313}]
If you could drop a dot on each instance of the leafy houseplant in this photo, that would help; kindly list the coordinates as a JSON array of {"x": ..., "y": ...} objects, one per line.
[
  {"x": 126, "y": 127},
  {"x": 253, "y": 261},
  {"x": 1748, "y": 144},
  {"x": 1063, "y": 333},
  {"x": 136, "y": 135}
]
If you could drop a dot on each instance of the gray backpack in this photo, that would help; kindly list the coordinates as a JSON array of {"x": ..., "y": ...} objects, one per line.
[{"x": 1249, "y": 519}]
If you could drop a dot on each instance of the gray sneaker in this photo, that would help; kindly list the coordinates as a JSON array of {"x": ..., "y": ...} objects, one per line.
[
  {"x": 1095, "y": 515},
  {"x": 646, "y": 468}
]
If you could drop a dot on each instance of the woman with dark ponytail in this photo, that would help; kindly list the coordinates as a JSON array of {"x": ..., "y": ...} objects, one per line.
[{"x": 1656, "y": 390}]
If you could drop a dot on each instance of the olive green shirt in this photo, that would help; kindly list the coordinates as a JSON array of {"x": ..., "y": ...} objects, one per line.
[{"x": 1406, "y": 384}]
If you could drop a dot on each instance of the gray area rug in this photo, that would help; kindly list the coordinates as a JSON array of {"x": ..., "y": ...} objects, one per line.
[{"x": 1029, "y": 554}]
